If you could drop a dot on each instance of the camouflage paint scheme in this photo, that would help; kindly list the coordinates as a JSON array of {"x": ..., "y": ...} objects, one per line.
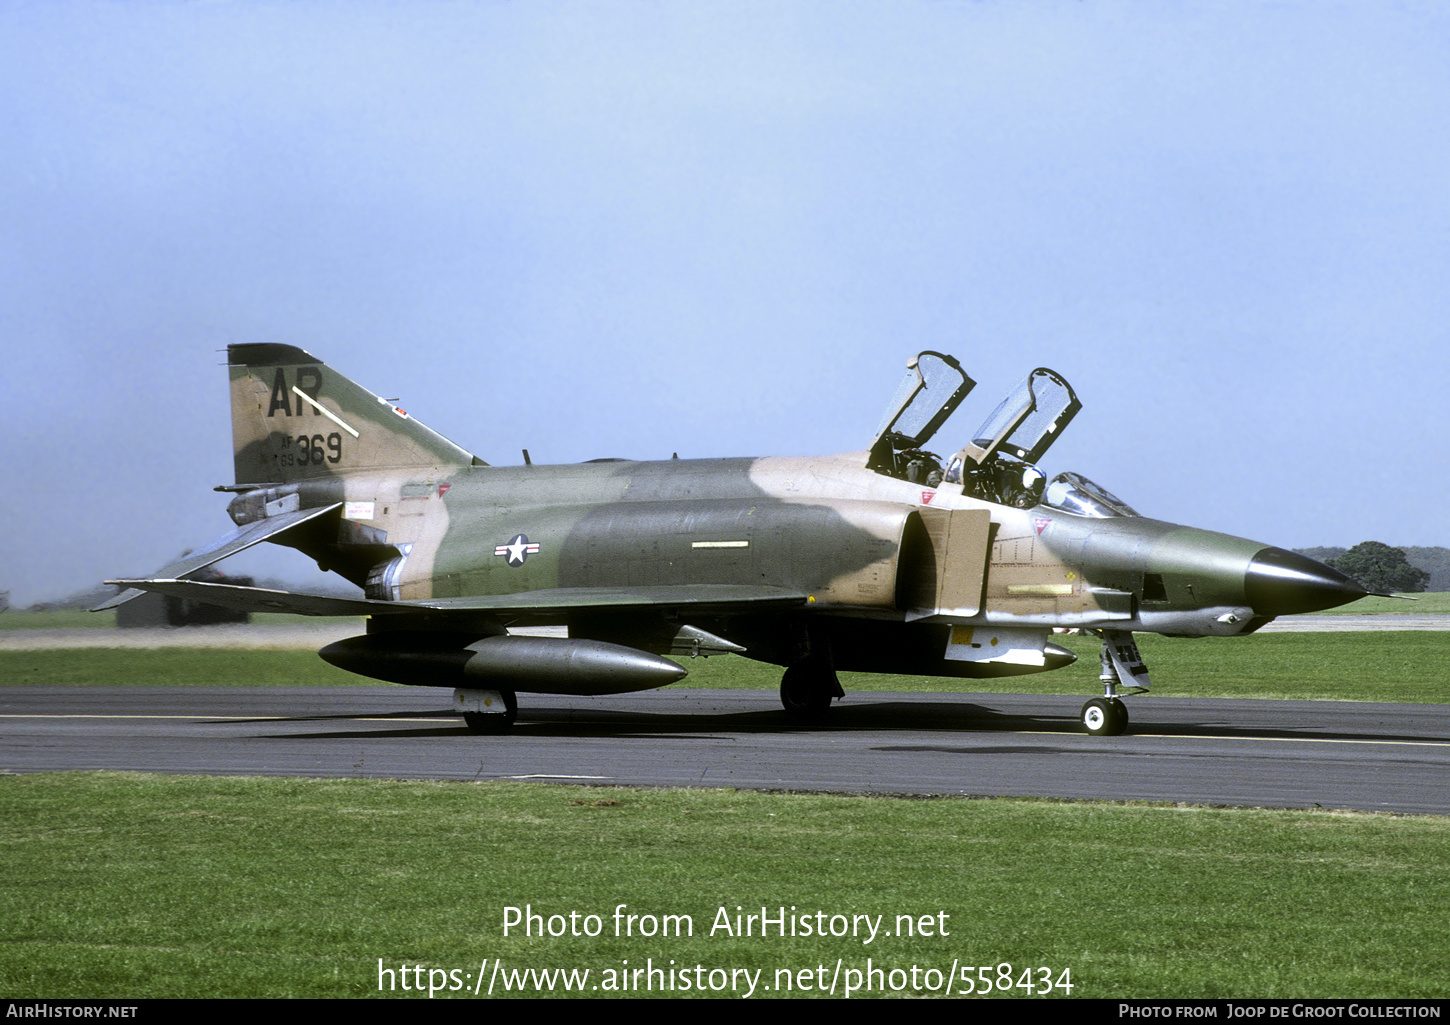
[{"x": 820, "y": 564}]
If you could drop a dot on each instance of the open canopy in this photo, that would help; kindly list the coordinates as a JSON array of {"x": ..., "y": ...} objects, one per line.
[
  {"x": 934, "y": 386},
  {"x": 1027, "y": 422}
]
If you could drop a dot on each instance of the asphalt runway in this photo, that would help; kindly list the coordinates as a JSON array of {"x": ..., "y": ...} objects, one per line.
[{"x": 1295, "y": 754}]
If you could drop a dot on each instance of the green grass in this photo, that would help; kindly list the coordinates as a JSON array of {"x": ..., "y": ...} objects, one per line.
[
  {"x": 126, "y": 886},
  {"x": 61, "y": 619},
  {"x": 1369, "y": 666},
  {"x": 1397, "y": 665},
  {"x": 1401, "y": 665},
  {"x": 171, "y": 667},
  {"x": 1428, "y": 603},
  {"x": 78, "y": 619}
]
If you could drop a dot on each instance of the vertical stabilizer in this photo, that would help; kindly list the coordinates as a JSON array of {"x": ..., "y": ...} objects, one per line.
[{"x": 294, "y": 418}]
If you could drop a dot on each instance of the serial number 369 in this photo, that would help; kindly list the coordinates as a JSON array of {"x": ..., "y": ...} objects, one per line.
[{"x": 313, "y": 451}]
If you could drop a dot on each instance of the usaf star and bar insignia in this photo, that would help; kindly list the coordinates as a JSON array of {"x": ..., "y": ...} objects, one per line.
[{"x": 517, "y": 550}]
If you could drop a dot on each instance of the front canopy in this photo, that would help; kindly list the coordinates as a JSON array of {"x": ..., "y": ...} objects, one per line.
[{"x": 934, "y": 386}]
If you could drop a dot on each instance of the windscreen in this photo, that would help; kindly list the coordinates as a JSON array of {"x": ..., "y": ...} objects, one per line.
[{"x": 1074, "y": 493}]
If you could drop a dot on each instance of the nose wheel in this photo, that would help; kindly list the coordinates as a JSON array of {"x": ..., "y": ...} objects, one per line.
[{"x": 1105, "y": 717}]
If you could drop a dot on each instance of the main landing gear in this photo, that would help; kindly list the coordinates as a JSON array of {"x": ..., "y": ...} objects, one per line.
[
  {"x": 807, "y": 688},
  {"x": 1107, "y": 716},
  {"x": 482, "y": 712}
]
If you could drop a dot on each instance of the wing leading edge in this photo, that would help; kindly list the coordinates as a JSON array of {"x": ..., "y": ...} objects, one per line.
[{"x": 697, "y": 597}]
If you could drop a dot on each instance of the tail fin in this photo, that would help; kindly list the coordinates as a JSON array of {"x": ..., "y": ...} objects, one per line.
[{"x": 293, "y": 418}]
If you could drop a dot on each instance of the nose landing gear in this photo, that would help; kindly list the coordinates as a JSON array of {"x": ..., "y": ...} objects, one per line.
[{"x": 1107, "y": 716}]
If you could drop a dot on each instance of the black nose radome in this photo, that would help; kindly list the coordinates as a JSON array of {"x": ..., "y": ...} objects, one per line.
[{"x": 1280, "y": 583}]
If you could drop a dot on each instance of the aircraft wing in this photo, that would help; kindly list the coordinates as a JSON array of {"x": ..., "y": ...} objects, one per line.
[
  {"x": 697, "y": 597},
  {"x": 228, "y": 544}
]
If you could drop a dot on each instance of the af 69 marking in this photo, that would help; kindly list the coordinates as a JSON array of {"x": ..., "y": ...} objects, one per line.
[{"x": 310, "y": 450}]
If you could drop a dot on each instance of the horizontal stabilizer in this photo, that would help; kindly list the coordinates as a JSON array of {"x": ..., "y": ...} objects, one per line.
[
  {"x": 228, "y": 544},
  {"x": 696, "y": 597},
  {"x": 264, "y": 599}
]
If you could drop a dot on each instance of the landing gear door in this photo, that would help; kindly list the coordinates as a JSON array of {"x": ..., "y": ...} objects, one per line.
[
  {"x": 1028, "y": 421},
  {"x": 934, "y": 386}
]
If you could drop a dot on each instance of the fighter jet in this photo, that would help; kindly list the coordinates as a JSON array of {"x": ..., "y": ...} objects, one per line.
[{"x": 887, "y": 560}]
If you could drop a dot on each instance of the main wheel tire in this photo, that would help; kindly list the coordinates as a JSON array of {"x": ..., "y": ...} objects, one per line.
[
  {"x": 806, "y": 690},
  {"x": 492, "y": 723},
  {"x": 1104, "y": 717}
]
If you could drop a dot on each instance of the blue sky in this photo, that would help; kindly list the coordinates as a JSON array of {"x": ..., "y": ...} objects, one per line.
[{"x": 629, "y": 229}]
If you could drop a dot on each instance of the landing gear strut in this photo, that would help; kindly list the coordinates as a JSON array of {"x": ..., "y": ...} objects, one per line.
[{"x": 1107, "y": 716}]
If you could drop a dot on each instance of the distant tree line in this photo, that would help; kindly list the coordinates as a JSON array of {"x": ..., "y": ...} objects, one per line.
[{"x": 1378, "y": 567}]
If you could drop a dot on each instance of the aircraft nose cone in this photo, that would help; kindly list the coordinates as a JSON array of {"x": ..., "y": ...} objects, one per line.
[{"x": 1280, "y": 583}]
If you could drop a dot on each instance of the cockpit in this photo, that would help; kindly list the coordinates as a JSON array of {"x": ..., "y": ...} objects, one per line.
[{"x": 999, "y": 463}]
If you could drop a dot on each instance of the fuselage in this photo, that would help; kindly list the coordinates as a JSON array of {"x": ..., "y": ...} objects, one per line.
[{"x": 861, "y": 544}]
